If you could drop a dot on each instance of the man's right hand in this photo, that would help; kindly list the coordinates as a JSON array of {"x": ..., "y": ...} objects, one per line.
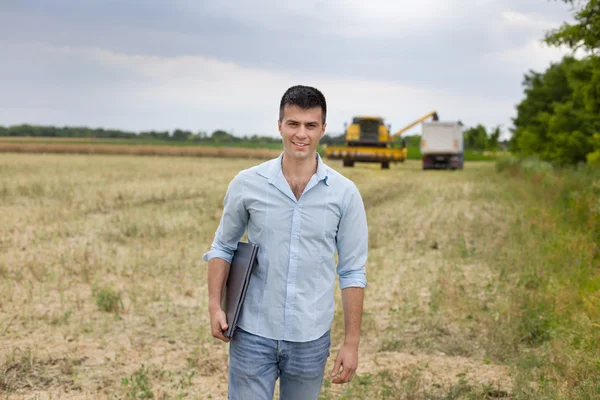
[{"x": 218, "y": 323}]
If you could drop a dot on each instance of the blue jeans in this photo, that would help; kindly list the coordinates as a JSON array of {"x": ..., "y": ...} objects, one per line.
[{"x": 255, "y": 363}]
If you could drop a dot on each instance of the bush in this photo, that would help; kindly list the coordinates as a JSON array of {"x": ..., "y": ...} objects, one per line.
[{"x": 594, "y": 158}]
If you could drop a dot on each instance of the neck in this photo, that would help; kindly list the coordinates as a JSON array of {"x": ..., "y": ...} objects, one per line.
[{"x": 299, "y": 168}]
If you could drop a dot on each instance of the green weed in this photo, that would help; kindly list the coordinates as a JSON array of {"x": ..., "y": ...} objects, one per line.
[
  {"x": 137, "y": 386},
  {"x": 108, "y": 300}
]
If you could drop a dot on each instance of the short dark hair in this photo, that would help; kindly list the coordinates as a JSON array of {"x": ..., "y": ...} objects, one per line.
[{"x": 304, "y": 97}]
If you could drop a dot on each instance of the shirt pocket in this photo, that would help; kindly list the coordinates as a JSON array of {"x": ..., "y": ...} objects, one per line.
[{"x": 270, "y": 218}]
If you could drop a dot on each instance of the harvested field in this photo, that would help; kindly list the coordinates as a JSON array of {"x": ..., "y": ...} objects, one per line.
[{"x": 103, "y": 291}]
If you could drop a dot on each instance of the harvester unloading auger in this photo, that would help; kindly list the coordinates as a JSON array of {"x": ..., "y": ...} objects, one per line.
[{"x": 368, "y": 139}]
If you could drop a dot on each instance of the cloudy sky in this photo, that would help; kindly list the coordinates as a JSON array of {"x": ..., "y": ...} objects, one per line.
[{"x": 203, "y": 65}]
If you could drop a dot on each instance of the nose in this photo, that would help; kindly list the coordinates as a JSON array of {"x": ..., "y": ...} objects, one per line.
[{"x": 301, "y": 134}]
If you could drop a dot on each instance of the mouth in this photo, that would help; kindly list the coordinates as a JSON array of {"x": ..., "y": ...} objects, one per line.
[{"x": 300, "y": 145}]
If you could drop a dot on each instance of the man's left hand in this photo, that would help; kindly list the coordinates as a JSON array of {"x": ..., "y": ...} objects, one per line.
[{"x": 347, "y": 359}]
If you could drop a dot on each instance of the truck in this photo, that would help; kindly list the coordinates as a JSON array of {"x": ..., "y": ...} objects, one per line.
[
  {"x": 368, "y": 139},
  {"x": 442, "y": 145}
]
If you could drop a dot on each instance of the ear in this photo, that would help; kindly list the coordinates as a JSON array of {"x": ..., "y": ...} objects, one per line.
[
  {"x": 279, "y": 128},
  {"x": 323, "y": 130}
]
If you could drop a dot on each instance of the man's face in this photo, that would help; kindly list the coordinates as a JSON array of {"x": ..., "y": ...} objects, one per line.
[{"x": 301, "y": 131}]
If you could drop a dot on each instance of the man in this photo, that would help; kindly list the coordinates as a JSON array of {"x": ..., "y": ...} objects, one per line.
[{"x": 299, "y": 212}]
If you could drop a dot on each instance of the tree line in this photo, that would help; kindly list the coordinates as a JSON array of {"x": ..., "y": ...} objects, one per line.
[
  {"x": 476, "y": 138},
  {"x": 85, "y": 132},
  {"x": 178, "y": 135}
]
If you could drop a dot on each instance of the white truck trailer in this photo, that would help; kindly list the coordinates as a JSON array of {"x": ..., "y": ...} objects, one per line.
[{"x": 442, "y": 145}]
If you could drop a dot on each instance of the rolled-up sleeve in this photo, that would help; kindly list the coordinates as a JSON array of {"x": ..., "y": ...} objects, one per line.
[
  {"x": 234, "y": 222},
  {"x": 353, "y": 243}
]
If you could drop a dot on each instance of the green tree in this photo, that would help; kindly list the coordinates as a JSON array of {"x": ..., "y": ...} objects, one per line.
[
  {"x": 222, "y": 136},
  {"x": 542, "y": 90},
  {"x": 494, "y": 139},
  {"x": 558, "y": 117},
  {"x": 584, "y": 33},
  {"x": 332, "y": 140},
  {"x": 412, "y": 141},
  {"x": 178, "y": 134},
  {"x": 476, "y": 138}
]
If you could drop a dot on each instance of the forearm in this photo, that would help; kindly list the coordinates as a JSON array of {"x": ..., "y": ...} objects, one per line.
[
  {"x": 352, "y": 302},
  {"x": 218, "y": 271}
]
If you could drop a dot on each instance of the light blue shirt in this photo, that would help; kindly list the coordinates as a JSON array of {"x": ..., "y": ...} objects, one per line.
[{"x": 291, "y": 291}]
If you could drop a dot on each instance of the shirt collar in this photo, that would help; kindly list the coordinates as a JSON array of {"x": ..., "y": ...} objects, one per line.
[
  {"x": 271, "y": 169},
  {"x": 322, "y": 170}
]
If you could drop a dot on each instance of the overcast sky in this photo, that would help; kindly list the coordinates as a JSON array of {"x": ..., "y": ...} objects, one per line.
[{"x": 205, "y": 65}]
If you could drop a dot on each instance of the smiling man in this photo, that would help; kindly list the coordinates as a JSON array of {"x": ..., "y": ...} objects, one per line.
[{"x": 300, "y": 213}]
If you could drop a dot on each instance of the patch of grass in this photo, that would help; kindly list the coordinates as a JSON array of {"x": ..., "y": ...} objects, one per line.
[
  {"x": 553, "y": 264},
  {"x": 108, "y": 300},
  {"x": 137, "y": 386},
  {"x": 465, "y": 390},
  {"x": 129, "y": 230},
  {"x": 474, "y": 155},
  {"x": 411, "y": 386},
  {"x": 414, "y": 153},
  {"x": 382, "y": 385},
  {"x": 24, "y": 369},
  {"x": 15, "y": 368}
]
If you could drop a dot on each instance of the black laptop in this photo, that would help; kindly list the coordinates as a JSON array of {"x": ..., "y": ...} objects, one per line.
[{"x": 243, "y": 262}]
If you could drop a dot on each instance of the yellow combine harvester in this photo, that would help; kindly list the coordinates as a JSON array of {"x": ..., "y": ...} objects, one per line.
[{"x": 368, "y": 139}]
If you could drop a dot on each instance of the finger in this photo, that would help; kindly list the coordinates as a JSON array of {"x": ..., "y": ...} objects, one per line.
[
  {"x": 338, "y": 379},
  {"x": 338, "y": 376},
  {"x": 222, "y": 319},
  {"x": 217, "y": 332},
  {"x": 348, "y": 372},
  {"x": 347, "y": 375},
  {"x": 221, "y": 336},
  {"x": 221, "y": 333},
  {"x": 336, "y": 366}
]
